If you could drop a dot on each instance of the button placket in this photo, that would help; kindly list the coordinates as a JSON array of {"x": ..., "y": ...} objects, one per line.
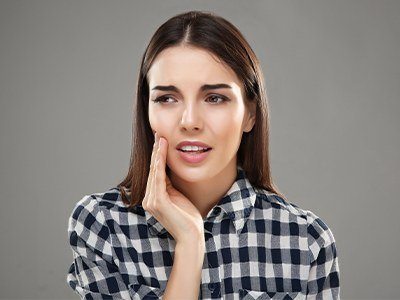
[{"x": 212, "y": 263}]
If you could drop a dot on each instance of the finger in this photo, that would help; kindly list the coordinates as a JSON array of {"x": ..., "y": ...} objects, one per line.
[
  {"x": 154, "y": 153},
  {"x": 153, "y": 161},
  {"x": 160, "y": 185},
  {"x": 152, "y": 167}
]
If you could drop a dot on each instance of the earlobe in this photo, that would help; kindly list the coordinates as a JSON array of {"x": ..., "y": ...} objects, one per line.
[
  {"x": 252, "y": 117},
  {"x": 250, "y": 125}
]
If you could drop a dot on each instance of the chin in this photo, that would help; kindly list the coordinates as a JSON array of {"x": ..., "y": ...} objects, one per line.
[{"x": 191, "y": 173}]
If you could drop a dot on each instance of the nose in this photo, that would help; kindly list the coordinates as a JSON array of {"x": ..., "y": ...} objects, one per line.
[{"x": 191, "y": 118}]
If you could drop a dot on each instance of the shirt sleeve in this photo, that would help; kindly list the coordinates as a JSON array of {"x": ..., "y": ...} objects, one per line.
[
  {"x": 92, "y": 275},
  {"x": 323, "y": 280}
]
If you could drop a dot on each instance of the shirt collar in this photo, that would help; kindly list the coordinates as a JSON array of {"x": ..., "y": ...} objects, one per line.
[{"x": 236, "y": 204}]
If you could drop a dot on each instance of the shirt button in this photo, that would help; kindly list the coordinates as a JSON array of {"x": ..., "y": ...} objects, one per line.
[{"x": 231, "y": 215}]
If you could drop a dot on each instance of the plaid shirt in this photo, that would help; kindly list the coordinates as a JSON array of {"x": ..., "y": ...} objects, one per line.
[{"x": 258, "y": 246}]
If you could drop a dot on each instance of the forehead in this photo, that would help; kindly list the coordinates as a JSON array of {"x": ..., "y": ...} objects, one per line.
[{"x": 190, "y": 67}]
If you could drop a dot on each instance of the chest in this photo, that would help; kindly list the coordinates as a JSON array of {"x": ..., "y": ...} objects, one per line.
[{"x": 258, "y": 263}]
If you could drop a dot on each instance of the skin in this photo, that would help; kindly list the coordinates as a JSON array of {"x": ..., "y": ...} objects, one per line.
[
  {"x": 182, "y": 219},
  {"x": 169, "y": 206},
  {"x": 192, "y": 114}
]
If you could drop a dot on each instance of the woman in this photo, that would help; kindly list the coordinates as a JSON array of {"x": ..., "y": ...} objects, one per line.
[{"x": 198, "y": 215}]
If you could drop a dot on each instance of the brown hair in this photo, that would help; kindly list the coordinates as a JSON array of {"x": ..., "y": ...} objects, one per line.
[{"x": 206, "y": 30}]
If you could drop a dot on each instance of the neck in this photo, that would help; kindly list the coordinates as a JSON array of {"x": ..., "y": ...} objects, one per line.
[{"x": 207, "y": 193}]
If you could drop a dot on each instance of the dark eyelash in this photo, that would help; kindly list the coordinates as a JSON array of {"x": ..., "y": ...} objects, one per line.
[
  {"x": 162, "y": 98},
  {"x": 224, "y": 99}
]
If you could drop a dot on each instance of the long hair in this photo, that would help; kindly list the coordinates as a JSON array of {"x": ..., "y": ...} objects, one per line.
[{"x": 208, "y": 31}]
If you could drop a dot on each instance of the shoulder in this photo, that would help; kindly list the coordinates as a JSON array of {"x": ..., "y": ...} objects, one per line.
[
  {"x": 281, "y": 208},
  {"x": 319, "y": 235},
  {"x": 98, "y": 201},
  {"x": 87, "y": 218},
  {"x": 88, "y": 227},
  {"x": 84, "y": 212},
  {"x": 87, "y": 211},
  {"x": 97, "y": 208}
]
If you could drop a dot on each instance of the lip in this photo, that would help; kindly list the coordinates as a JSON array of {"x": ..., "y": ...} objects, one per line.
[
  {"x": 193, "y": 157},
  {"x": 192, "y": 143}
]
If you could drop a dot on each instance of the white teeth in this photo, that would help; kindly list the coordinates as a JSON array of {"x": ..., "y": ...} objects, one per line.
[{"x": 192, "y": 148}]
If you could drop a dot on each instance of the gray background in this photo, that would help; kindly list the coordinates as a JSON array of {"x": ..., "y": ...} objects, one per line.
[{"x": 68, "y": 71}]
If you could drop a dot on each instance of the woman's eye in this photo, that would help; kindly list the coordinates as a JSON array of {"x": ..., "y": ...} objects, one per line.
[
  {"x": 223, "y": 99},
  {"x": 162, "y": 99},
  {"x": 214, "y": 99}
]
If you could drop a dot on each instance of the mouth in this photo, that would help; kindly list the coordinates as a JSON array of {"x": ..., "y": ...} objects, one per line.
[
  {"x": 194, "y": 157},
  {"x": 194, "y": 152}
]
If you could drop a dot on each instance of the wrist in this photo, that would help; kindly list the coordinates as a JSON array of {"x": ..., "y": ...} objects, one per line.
[
  {"x": 192, "y": 244},
  {"x": 191, "y": 238}
]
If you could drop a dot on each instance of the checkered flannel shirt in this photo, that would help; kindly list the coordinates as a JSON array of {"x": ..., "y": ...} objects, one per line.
[{"x": 258, "y": 246}]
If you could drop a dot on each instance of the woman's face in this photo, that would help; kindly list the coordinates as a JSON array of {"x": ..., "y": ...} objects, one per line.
[{"x": 216, "y": 117}]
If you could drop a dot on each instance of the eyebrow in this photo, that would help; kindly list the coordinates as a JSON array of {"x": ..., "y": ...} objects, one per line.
[{"x": 203, "y": 88}]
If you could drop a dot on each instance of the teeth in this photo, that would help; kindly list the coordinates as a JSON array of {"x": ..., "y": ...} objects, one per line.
[{"x": 192, "y": 148}]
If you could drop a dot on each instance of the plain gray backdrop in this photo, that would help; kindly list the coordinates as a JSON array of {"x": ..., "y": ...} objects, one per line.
[{"x": 68, "y": 72}]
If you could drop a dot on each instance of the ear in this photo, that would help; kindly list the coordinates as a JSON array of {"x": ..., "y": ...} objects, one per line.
[{"x": 251, "y": 116}]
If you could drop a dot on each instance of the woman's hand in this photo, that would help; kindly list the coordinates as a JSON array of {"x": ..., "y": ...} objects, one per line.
[{"x": 169, "y": 206}]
